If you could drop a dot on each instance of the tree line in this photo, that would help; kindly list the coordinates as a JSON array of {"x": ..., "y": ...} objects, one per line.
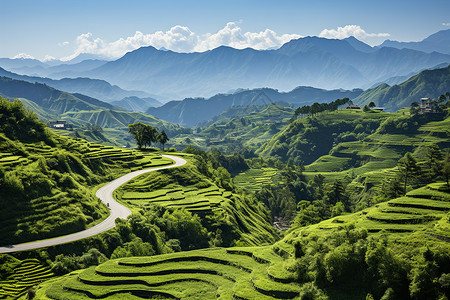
[
  {"x": 145, "y": 135},
  {"x": 316, "y": 107}
]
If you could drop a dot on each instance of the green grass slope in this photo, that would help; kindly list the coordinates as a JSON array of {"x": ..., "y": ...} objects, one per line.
[
  {"x": 309, "y": 138},
  {"x": 245, "y": 128},
  {"x": 47, "y": 181},
  {"x": 428, "y": 84},
  {"x": 332, "y": 250},
  {"x": 24, "y": 275},
  {"x": 239, "y": 218},
  {"x": 51, "y": 99}
]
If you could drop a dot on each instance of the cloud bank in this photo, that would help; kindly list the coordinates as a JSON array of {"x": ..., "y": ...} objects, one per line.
[
  {"x": 351, "y": 30},
  {"x": 182, "y": 39},
  {"x": 23, "y": 56}
]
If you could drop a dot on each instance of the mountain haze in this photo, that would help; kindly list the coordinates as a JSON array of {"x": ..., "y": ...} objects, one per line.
[
  {"x": 428, "y": 84},
  {"x": 95, "y": 88},
  {"x": 309, "y": 61},
  {"x": 137, "y": 104},
  {"x": 49, "y": 98},
  {"x": 438, "y": 42},
  {"x": 191, "y": 111}
]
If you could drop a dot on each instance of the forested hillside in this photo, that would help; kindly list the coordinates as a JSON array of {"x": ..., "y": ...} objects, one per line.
[
  {"x": 426, "y": 84},
  {"x": 47, "y": 180}
]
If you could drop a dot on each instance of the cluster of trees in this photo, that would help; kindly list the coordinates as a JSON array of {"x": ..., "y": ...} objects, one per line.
[
  {"x": 154, "y": 230},
  {"x": 412, "y": 172},
  {"x": 18, "y": 123},
  {"x": 349, "y": 262},
  {"x": 442, "y": 102},
  {"x": 145, "y": 135},
  {"x": 316, "y": 107},
  {"x": 369, "y": 107}
]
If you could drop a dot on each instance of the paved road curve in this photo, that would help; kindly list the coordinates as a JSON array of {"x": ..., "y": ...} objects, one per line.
[{"x": 105, "y": 194}]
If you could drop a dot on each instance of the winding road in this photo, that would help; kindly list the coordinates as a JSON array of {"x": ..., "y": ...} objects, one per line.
[{"x": 105, "y": 193}]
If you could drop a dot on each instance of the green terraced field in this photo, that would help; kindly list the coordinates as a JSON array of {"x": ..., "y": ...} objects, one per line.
[
  {"x": 239, "y": 273},
  {"x": 420, "y": 210},
  {"x": 253, "y": 179},
  {"x": 64, "y": 208},
  {"x": 186, "y": 188},
  {"x": 248, "y": 272},
  {"x": 192, "y": 199},
  {"x": 25, "y": 275}
]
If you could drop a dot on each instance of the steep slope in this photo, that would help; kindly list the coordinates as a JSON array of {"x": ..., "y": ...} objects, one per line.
[
  {"x": 428, "y": 84},
  {"x": 120, "y": 120},
  {"x": 137, "y": 104},
  {"x": 239, "y": 128},
  {"x": 46, "y": 180},
  {"x": 191, "y": 111}
]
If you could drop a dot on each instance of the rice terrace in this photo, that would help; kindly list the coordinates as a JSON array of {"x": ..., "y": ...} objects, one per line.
[{"x": 225, "y": 150}]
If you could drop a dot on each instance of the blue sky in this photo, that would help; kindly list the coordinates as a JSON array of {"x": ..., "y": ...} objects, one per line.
[{"x": 111, "y": 28}]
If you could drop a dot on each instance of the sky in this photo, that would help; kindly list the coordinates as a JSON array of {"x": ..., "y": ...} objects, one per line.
[{"x": 48, "y": 29}]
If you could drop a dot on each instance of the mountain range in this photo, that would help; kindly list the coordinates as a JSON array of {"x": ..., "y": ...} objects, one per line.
[
  {"x": 438, "y": 42},
  {"x": 191, "y": 111},
  {"x": 95, "y": 88},
  {"x": 309, "y": 61},
  {"x": 426, "y": 84},
  {"x": 50, "y": 99}
]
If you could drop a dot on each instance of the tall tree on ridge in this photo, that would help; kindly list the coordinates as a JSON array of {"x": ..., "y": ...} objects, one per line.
[
  {"x": 163, "y": 138},
  {"x": 408, "y": 168}
]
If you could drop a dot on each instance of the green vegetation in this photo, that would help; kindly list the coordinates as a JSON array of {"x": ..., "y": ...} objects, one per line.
[
  {"x": 349, "y": 256},
  {"x": 429, "y": 83},
  {"x": 18, "y": 277},
  {"x": 47, "y": 181},
  {"x": 202, "y": 187},
  {"x": 242, "y": 129},
  {"x": 254, "y": 179}
]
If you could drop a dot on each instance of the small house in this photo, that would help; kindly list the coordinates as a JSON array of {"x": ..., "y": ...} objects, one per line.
[
  {"x": 427, "y": 105},
  {"x": 60, "y": 124},
  {"x": 353, "y": 107}
]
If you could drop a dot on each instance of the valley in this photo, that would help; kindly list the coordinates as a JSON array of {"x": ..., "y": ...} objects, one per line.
[{"x": 316, "y": 168}]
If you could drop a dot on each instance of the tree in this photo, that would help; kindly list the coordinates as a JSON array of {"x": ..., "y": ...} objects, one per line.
[
  {"x": 163, "y": 138},
  {"x": 434, "y": 156},
  {"x": 150, "y": 134},
  {"x": 371, "y": 105},
  {"x": 143, "y": 134},
  {"x": 446, "y": 171},
  {"x": 137, "y": 129},
  {"x": 408, "y": 168},
  {"x": 414, "y": 108},
  {"x": 366, "y": 108}
]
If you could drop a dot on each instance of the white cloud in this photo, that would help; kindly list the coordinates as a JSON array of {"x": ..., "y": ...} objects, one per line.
[
  {"x": 23, "y": 56},
  {"x": 63, "y": 44},
  {"x": 351, "y": 30},
  {"x": 48, "y": 58},
  {"x": 182, "y": 39},
  {"x": 446, "y": 24}
]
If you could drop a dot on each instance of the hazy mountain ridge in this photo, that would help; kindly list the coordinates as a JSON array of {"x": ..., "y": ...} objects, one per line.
[
  {"x": 95, "y": 88},
  {"x": 137, "y": 104},
  {"x": 191, "y": 111},
  {"x": 49, "y": 98},
  {"x": 428, "y": 83},
  {"x": 437, "y": 42},
  {"x": 312, "y": 61}
]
